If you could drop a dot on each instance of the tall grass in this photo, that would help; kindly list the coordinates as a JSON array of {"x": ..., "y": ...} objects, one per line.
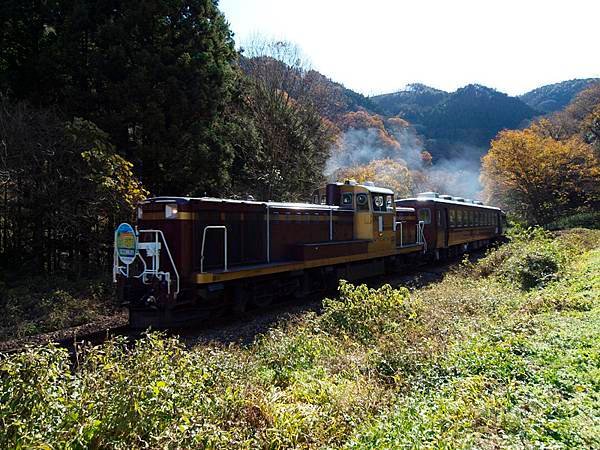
[{"x": 379, "y": 367}]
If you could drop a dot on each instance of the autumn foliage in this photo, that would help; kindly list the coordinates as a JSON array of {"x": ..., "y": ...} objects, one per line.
[
  {"x": 363, "y": 120},
  {"x": 538, "y": 177}
]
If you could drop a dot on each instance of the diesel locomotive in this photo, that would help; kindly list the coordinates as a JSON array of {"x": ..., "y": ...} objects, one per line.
[{"x": 188, "y": 258}]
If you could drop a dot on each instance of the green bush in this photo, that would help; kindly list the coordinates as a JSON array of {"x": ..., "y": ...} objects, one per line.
[
  {"x": 532, "y": 259},
  {"x": 581, "y": 220},
  {"x": 364, "y": 313},
  {"x": 533, "y": 269},
  {"x": 580, "y": 293}
]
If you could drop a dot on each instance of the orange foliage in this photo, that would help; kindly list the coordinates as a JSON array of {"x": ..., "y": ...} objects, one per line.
[
  {"x": 363, "y": 120},
  {"x": 397, "y": 123},
  {"x": 426, "y": 158}
]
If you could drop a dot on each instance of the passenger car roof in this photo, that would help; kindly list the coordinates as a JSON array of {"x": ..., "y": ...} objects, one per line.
[{"x": 444, "y": 201}]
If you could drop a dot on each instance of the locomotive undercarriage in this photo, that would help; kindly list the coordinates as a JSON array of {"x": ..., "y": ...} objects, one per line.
[{"x": 152, "y": 305}]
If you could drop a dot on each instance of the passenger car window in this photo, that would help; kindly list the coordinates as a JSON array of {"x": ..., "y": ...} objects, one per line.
[
  {"x": 362, "y": 202},
  {"x": 425, "y": 215},
  {"x": 452, "y": 215}
]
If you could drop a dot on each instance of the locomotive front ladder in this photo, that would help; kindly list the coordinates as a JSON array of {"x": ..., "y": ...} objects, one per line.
[
  {"x": 421, "y": 235},
  {"x": 152, "y": 249}
]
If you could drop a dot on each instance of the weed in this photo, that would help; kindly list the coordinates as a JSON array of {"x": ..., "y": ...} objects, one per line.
[{"x": 471, "y": 361}]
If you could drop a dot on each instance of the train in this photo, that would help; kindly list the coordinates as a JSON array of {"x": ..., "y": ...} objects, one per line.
[{"x": 187, "y": 259}]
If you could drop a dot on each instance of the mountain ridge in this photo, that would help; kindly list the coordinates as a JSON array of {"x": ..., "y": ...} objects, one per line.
[
  {"x": 459, "y": 122},
  {"x": 554, "y": 97}
]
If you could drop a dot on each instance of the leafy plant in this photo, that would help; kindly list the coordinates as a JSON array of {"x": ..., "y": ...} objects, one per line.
[{"x": 465, "y": 362}]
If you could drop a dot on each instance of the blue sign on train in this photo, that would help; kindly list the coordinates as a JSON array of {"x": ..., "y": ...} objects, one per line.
[{"x": 126, "y": 243}]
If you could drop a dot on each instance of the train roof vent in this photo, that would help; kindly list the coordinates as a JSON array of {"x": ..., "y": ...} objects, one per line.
[
  {"x": 478, "y": 202},
  {"x": 446, "y": 197},
  {"x": 368, "y": 183},
  {"x": 458, "y": 199},
  {"x": 351, "y": 182},
  {"x": 468, "y": 200},
  {"x": 428, "y": 194}
]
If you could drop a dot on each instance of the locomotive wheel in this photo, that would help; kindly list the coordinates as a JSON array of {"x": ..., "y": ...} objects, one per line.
[
  {"x": 262, "y": 302},
  {"x": 239, "y": 302},
  {"x": 263, "y": 294}
]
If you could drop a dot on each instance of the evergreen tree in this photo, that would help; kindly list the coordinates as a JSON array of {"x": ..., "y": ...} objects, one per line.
[{"x": 156, "y": 75}]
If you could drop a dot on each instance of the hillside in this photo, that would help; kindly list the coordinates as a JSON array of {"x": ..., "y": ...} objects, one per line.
[
  {"x": 554, "y": 97},
  {"x": 460, "y": 123},
  {"x": 331, "y": 99},
  {"x": 452, "y": 125}
]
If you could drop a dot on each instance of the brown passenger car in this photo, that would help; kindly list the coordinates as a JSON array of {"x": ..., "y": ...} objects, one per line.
[{"x": 454, "y": 224}]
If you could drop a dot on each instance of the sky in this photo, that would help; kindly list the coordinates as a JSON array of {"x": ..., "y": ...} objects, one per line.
[{"x": 379, "y": 46}]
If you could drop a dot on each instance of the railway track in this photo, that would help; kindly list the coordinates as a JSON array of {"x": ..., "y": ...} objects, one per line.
[{"x": 240, "y": 329}]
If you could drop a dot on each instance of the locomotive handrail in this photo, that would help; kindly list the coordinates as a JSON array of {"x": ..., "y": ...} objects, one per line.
[
  {"x": 153, "y": 250},
  {"x": 421, "y": 235},
  {"x": 213, "y": 227},
  {"x": 157, "y": 256},
  {"x": 268, "y": 238},
  {"x": 401, "y": 232}
]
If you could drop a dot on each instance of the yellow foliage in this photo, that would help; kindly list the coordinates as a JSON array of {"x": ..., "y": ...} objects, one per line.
[
  {"x": 538, "y": 177},
  {"x": 362, "y": 120}
]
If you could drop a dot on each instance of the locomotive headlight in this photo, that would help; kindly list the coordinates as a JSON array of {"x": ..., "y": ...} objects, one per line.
[
  {"x": 140, "y": 213},
  {"x": 170, "y": 211}
]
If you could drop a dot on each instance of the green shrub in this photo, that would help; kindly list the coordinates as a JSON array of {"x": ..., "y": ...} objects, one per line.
[
  {"x": 364, "y": 313},
  {"x": 580, "y": 220},
  {"x": 533, "y": 269},
  {"x": 580, "y": 293},
  {"x": 532, "y": 259}
]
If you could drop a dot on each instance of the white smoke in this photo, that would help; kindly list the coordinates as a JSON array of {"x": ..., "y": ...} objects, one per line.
[
  {"x": 357, "y": 147},
  {"x": 457, "y": 176}
]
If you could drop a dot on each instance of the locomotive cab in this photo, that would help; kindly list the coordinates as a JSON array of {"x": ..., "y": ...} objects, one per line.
[{"x": 373, "y": 208}]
